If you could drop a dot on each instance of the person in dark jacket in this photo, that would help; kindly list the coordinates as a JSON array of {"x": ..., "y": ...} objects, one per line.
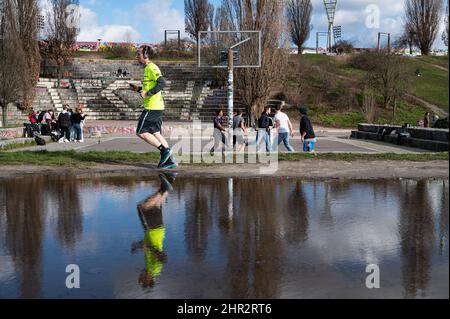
[
  {"x": 265, "y": 124},
  {"x": 307, "y": 132},
  {"x": 219, "y": 132},
  {"x": 64, "y": 124},
  {"x": 76, "y": 119}
]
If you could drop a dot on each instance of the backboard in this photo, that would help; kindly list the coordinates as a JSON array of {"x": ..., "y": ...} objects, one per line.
[{"x": 214, "y": 47}]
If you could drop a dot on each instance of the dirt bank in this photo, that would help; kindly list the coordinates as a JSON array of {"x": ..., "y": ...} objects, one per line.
[{"x": 306, "y": 169}]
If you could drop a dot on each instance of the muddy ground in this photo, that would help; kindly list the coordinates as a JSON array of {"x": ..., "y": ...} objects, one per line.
[{"x": 307, "y": 169}]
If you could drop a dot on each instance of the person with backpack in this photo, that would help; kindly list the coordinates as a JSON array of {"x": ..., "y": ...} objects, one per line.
[{"x": 64, "y": 124}]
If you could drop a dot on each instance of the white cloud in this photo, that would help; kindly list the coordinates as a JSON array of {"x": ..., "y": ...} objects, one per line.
[
  {"x": 156, "y": 16},
  {"x": 90, "y": 30},
  {"x": 351, "y": 15}
]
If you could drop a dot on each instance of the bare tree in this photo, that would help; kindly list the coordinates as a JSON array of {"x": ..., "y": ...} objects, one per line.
[
  {"x": 445, "y": 33},
  {"x": 62, "y": 33},
  {"x": 408, "y": 38},
  {"x": 389, "y": 76},
  {"x": 299, "y": 21},
  {"x": 423, "y": 17},
  {"x": 221, "y": 20},
  {"x": 254, "y": 85},
  {"x": 19, "y": 67},
  {"x": 28, "y": 12},
  {"x": 211, "y": 12},
  {"x": 368, "y": 105},
  {"x": 197, "y": 16}
]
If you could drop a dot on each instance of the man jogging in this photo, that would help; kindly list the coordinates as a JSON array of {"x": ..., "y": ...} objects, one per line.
[{"x": 150, "y": 122}]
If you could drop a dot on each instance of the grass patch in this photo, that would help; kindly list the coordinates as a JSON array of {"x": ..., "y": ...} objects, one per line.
[
  {"x": 432, "y": 86},
  {"x": 437, "y": 60},
  {"x": 86, "y": 160},
  {"x": 17, "y": 145},
  {"x": 337, "y": 120},
  {"x": 74, "y": 159},
  {"x": 405, "y": 113}
]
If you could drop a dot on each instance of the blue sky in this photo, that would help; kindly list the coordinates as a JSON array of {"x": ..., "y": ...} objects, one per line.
[{"x": 146, "y": 20}]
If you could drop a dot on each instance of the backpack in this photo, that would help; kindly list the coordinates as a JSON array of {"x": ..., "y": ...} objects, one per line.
[{"x": 40, "y": 141}]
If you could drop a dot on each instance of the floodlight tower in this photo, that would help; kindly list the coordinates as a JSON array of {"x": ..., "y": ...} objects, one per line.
[{"x": 330, "y": 8}]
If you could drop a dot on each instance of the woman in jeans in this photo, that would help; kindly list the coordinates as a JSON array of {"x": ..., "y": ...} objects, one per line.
[{"x": 76, "y": 118}]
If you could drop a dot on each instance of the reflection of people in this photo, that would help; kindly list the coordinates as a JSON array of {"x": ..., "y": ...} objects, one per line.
[{"x": 150, "y": 213}]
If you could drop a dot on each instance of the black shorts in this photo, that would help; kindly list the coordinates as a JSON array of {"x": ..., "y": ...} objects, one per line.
[{"x": 150, "y": 122}]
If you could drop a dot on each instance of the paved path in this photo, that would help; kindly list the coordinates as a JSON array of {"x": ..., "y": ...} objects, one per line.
[{"x": 330, "y": 144}]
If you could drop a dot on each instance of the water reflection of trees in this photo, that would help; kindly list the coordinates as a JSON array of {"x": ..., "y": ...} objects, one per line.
[
  {"x": 69, "y": 220},
  {"x": 443, "y": 218},
  {"x": 25, "y": 232},
  {"x": 417, "y": 237},
  {"x": 28, "y": 203},
  {"x": 198, "y": 219},
  {"x": 296, "y": 216}
]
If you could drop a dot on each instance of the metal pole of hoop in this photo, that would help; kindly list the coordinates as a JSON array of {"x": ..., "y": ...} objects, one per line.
[{"x": 230, "y": 94}]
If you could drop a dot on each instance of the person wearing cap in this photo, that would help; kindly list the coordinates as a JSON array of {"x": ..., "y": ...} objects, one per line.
[{"x": 307, "y": 132}]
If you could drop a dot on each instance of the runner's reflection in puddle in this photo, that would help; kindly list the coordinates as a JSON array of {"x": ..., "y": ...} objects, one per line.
[{"x": 150, "y": 214}]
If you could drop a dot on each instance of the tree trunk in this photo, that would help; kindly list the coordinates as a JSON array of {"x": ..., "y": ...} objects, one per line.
[
  {"x": 394, "y": 109},
  {"x": 300, "y": 50},
  {"x": 59, "y": 75},
  {"x": 4, "y": 115},
  {"x": 425, "y": 51}
]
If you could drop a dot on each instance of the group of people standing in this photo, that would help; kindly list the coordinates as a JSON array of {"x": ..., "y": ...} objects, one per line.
[
  {"x": 266, "y": 124},
  {"x": 67, "y": 127},
  {"x": 428, "y": 120}
]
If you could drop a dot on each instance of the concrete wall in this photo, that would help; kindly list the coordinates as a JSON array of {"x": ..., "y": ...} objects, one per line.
[
  {"x": 14, "y": 116},
  {"x": 436, "y": 140}
]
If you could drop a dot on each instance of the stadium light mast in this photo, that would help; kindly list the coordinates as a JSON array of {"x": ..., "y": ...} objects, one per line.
[{"x": 330, "y": 8}]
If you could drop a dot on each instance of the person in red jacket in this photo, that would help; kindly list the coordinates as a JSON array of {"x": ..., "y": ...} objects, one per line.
[{"x": 32, "y": 117}]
